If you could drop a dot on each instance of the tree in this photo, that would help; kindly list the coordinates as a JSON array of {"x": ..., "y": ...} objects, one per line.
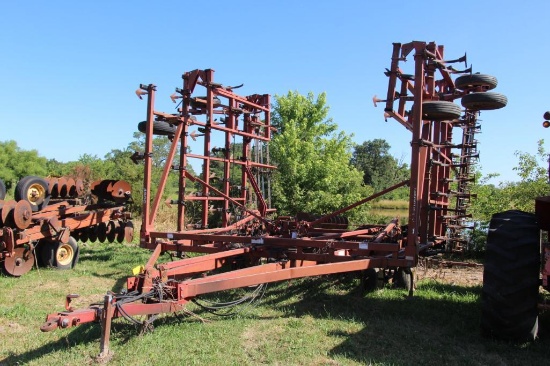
[
  {"x": 532, "y": 170},
  {"x": 491, "y": 198},
  {"x": 380, "y": 169},
  {"x": 16, "y": 163},
  {"x": 314, "y": 173}
]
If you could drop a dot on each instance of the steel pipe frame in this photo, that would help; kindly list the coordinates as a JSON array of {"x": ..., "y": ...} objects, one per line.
[
  {"x": 184, "y": 291},
  {"x": 431, "y": 160},
  {"x": 236, "y": 106}
]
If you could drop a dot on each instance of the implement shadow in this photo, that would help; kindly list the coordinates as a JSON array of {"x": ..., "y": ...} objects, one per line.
[
  {"x": 440, "y": 324},
  {"x": 81, "y": 335}
]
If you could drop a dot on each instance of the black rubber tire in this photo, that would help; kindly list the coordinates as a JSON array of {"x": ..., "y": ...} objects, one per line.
[
  {"x": 2, "y": 190},
  {"x": 402, "y": 278},
  {"x": 161, "y": 128},
  {"x": 484, "y": 101},
  {"x": 49, "y": 254},
  {"x": 440, "y": 110},
  {"x": 36, "y": 184},
  {"x": 510, "y": 290},
  {"x": 465, "y": 82}
]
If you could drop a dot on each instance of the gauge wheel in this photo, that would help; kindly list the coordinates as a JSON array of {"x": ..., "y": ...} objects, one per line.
[
  {"x": 484, "y": 101},
  {"x": 487, "y": 82},
  {"x": 161, "y": 128},
  {"x": 440, "y": 110},
  {"x": 60, "y": 255},
  {"x": 33, "y": 190},
  {"x": 402, "y": 278}
]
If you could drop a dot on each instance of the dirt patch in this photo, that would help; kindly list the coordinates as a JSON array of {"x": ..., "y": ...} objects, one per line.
[
  {"x": 453, "y": 273},
  {"x": 11, "y": 327}
]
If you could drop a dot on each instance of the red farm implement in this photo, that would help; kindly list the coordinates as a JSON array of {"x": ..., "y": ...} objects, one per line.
[
  {"x": 249, "y": 241},
  {"x": 48, "y": 216}
]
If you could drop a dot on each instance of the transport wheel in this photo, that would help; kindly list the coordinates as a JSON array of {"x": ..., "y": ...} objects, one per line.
[
  {"x": 402, "y": 278},
  {"x": 20, "y": 263},
  {"x": 510, "y": 290},
  {"x": 464, "y": 82},
  {"x": 484, "y": 101},
  {"x": 2, "y": 190},
  {"x": 34, "y": 190},
  {"x": 440, "y": 110},
  {"x": 161, "y": 128},
  {"x": 369, "y": 280},
  {"x": 60, "y": 255}
]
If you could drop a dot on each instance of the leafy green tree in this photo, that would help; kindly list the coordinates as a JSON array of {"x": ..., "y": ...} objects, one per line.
[
  {"x": 56, "y": 168},
  {"x": 520, "y": 195},
  {"x": 380, "y": 169},
  {"x": 16, "y": 163},
  {"x": 314, "y": 173}
]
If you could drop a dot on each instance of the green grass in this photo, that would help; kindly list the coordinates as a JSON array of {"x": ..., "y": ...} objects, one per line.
[
  {"x": 390, "y": 204},
  {"x": 315, "y": 321}
]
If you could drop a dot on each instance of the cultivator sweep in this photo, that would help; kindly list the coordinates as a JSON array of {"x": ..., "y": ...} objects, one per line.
[
  {"x": 48, "y": 216},
  {"x": 243, "y": 241}
]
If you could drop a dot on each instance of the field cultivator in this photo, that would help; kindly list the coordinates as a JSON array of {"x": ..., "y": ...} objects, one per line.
[
  {"x": 244, "y": 242},
  {"x": 48, "y": 216}
]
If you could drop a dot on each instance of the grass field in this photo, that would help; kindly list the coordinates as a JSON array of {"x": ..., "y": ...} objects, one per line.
[{"x": 316, "y": 321}]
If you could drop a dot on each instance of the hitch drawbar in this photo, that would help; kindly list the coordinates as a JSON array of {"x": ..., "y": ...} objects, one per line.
[
  {"x": 67, "y": 319},
  {"x": 71, "y": 317}
]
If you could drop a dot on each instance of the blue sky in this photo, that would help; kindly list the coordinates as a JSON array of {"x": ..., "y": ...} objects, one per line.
[{"x": 69, "y": 69}]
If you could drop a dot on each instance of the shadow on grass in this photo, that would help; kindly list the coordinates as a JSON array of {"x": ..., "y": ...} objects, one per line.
[
  {"x": 81, "y": 335},
  {"x": 440, "y": 324}
]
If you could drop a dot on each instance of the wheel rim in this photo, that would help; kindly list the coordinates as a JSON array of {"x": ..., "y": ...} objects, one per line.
[
  {"x": 64, "y": 254},
  {"x": 36, "y": 194}
]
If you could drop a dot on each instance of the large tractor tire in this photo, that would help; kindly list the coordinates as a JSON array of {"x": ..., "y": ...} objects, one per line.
[
  {"x": 511, "y": 277},
  {"x": 34, "y": 190}
]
